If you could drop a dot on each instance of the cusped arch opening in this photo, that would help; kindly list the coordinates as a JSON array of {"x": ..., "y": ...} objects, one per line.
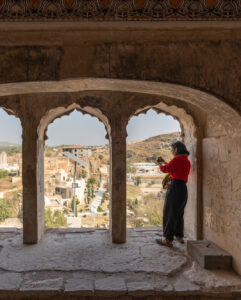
[
  {"x": 11, "y": 189},
  {"x": 76, "y": 174},
  {"x": 189, "y": 135}
]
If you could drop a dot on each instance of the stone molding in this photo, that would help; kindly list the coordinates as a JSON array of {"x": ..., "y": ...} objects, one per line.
[{"x": 119, "y": 10}]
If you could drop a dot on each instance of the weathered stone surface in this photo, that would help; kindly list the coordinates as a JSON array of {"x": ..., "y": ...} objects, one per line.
[
  {"x": 184, "y": 285},
  {"x": 118, "y": 185},
  {"x": 140, "y": 288},
  {"x": 110, "y": 286},
  {"x": 10, "y": 281},
  {"x": 48, "y": 284},
  {"x": 221, "y": 191},
  {"x": 209, "y": 255},
  {"x": 162, "y": 284},
  {"x": 138, "y": 254},
  {"x": 81, "y": 285},
  {"x": 212, "y": 279},
  {"x": 130, "y": 271}
]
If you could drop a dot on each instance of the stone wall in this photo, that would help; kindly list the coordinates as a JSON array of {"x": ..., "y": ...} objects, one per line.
[
  {"x": 222, "y": 194},
  {"x": 191, "y": 54},
  {"x": 191, "y": 71}
]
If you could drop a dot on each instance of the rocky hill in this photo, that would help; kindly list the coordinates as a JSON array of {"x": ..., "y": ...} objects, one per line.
[{"x": 148, "y": 150}]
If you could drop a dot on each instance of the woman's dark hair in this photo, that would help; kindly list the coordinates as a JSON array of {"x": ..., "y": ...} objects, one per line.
[{"x": 181, "y": 148}]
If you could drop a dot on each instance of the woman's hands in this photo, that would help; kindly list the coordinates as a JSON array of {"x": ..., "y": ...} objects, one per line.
[{"x": 160, "y": 160}]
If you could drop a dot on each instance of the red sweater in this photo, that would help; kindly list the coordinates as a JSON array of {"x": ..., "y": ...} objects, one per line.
[{"x": 178, "y": 167}]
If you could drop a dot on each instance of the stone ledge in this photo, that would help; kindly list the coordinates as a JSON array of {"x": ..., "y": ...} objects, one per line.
[
  {"x": 65, "y": 267},
  {"x": 110, "y": 286},
  {"x": 77, "y": 285},
  {"x": 209, "y": 255},
  {"x": 140, "y": 288},
  {"x": 10, "y": 281},
  {"x": 46, "y": 285}
]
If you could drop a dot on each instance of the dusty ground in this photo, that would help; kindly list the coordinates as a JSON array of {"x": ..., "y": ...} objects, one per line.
[{"x": 86, "y": 263}]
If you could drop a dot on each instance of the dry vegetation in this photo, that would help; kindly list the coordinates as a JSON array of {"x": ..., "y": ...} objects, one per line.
[{"x": 149, "y": 149}]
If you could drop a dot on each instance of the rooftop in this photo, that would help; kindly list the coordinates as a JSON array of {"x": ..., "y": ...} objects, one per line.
[{"x": 84, "y": 262}]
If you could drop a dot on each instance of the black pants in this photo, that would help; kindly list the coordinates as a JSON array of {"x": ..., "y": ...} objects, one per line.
[{"x": 173, "y": 212}]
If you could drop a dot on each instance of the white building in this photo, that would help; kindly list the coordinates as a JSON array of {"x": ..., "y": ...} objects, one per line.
[
  {"x": 67, "y": 192},
  {"x": 80, "y": 190},
  {"x": 145, "y": 168},
  {"x": 54, "y": 203},
  {"x": 104, "y": 170},
  {"x": 3, "y": 160},
  {"x": 4, "y": 164},
  {"x": 61, "y": 175},
  {"x": 78, "y": 150}
]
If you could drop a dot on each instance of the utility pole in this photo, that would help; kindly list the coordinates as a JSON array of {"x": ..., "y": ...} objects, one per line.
[{"x": 74, "y": 187}]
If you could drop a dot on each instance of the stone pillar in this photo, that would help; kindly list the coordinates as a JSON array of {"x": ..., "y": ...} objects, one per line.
[
  {"x": 33, "y": 184},
  {"x": 118, "y": 186}
]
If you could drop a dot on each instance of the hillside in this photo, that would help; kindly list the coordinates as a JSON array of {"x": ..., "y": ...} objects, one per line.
[
  {"x": 7, "y": 145},
  {"x": 148, "y": 150}
]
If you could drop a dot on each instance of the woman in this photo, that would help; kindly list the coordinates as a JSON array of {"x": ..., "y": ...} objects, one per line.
[{"x": 176, "y": 196}]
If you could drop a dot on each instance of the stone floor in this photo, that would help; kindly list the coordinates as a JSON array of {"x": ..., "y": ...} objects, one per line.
[{"x": 81, "y": 264}]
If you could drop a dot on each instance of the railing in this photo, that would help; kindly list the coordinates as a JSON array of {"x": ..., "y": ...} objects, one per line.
[{"x": 119, "y": 10}]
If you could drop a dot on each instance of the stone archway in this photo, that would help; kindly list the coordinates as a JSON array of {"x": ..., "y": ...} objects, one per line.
[
  {"x": 192, "y": 138},
  {"x": 218, "y": 128},
  {"x": 11, "y": 185},
  {"x": 48, "y": 118}
]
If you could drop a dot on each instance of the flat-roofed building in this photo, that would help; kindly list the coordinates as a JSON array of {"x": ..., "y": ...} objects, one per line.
[{"x": 78, "y": 150}]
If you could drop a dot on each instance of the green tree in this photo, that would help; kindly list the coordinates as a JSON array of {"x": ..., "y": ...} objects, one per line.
[
  {"x": 6, "y": 209},
  {"x": 103, "y": 198},
  {"x": 83, "y": 173},
  {"x": 99, "y": 209},
  {"x": 91, "y": 181},
  {"x": 128, "y": 167},
  {"x": 101, "y": 156},
  {"x": 3, "y": 173},
  {"x": 77, "y": 203},
  {"x": 92, "y": 192},
  {"x": 13, "y": 150},
  {"x": 55, "y": 219},
  {"x": 138, "y": 180}
]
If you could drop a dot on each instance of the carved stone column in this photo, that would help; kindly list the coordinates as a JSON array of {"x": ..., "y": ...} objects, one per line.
[
  {"x": 33, "y": 184},
  {"x": 118, "y": 183}
]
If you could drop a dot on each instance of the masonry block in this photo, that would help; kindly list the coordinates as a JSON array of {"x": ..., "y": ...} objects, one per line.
[{"x": 209, "y": 255}]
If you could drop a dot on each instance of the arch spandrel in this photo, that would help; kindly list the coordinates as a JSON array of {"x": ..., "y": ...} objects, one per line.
[{"x": 218, "y": 121}]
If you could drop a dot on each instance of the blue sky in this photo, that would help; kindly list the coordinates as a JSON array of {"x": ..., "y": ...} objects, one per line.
[{"x": 86, "y": 130}]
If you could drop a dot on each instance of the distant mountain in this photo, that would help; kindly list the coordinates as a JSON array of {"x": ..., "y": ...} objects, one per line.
[
  {"x": 148, "y": 150},
  {"x": 8, "y": 145}
]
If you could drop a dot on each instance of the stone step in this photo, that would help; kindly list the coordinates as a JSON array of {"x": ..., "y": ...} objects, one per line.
[{"x": 209, "y": 255}]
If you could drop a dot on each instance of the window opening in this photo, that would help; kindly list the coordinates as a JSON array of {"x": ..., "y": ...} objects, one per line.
[
  {"x": 11, "y": 190},
  {"x": 77, "y": 173},
  {"x": 149, "y": 136}
]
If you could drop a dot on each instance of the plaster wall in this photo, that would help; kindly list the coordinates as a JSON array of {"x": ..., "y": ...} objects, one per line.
[
  {"x": 222, "y": 193},
  {"x": 192, "y": 54}
]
